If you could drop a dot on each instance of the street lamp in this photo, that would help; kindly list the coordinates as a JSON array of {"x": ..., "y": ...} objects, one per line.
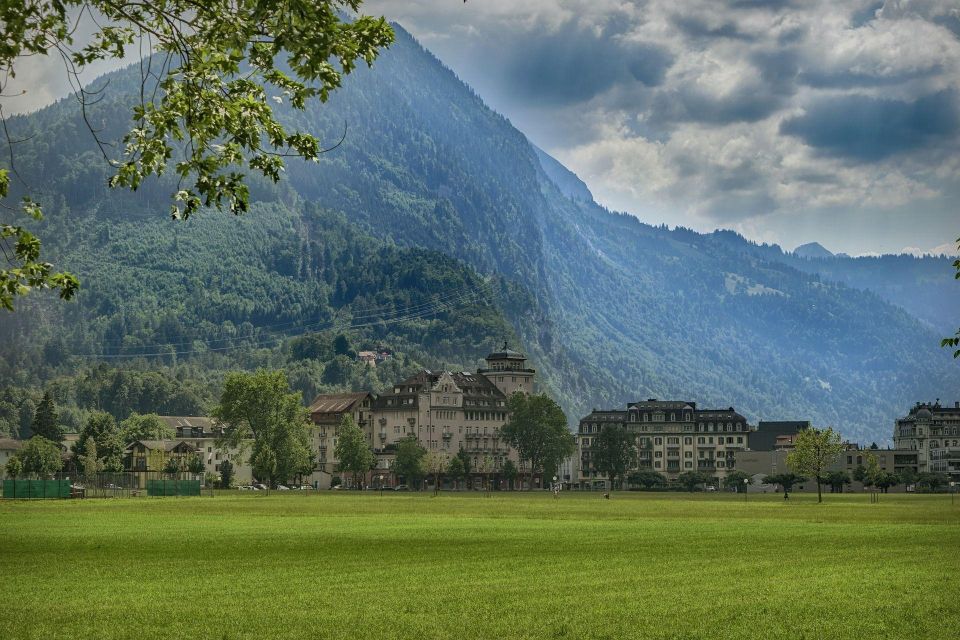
[
  {"x": 953, "y": 491},
  {"x": 380, "y": 478},
  {"x": 746, "y": 481},
  {"x": 556, "y": 490}
]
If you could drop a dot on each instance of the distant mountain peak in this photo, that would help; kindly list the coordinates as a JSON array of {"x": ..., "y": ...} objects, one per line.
[
  {"x": 567, "y": 181},
  {"x": 812, "y": 250}
]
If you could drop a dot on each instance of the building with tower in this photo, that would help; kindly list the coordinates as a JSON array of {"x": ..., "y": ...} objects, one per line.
[{"x": 447, "y": 411}]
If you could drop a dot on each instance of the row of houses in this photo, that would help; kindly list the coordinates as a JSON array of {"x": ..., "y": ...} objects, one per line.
[
  {"x": 450, "y": 412},
  {"x": 675, "y": 436}
]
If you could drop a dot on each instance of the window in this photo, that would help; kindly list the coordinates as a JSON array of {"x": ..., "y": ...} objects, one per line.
[
  {"x": 658, "y": 440},
  {"x": 688, "y": 441}
]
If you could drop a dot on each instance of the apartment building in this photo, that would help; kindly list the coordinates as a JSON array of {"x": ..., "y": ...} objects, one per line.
[
  {"x": 673, "y": 436},
  {"x": 932, "y": 432},
  {"x": 202, "y": 433}
]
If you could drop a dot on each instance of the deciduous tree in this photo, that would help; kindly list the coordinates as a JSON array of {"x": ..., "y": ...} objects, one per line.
[
  {"x": 207, "y": 95},
  {"x": 436, "y": 463},
  {"x": 689, "y": 480},
  {"x": 352, "y": 451},
  {"x": 813, "y": 453},
  {"x": 613, "y": 451},
  {"x": 647, "y": 479},
  {"x": 537, "y": 429},
  {"x": 260, "y": 406},
  {"x": 408, "y": 462},
  {"x": 785, "y": 480},
  {"x": 737, "y": 480},
  {"x": 509, "y": 472},
  {"x": 148, "y": 426},
  {"x": 14, "y": 468},
  {"x": 103, "y": 429},
  {"x": 40, "y": 456}
]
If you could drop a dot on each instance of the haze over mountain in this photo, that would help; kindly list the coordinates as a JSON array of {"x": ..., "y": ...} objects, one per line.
[{"x": 438, "y": 230}]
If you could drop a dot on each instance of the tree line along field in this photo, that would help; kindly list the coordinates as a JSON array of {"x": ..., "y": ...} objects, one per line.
[{"x": 355, "y": 565}]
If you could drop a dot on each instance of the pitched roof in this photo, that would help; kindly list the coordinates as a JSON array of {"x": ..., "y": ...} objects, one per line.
[
  {"x": 10, "y": 444},
  {"x": 188, "y": 421},
  {"x": 336, "y": 402},
  {"x": 166, "y": 445}
]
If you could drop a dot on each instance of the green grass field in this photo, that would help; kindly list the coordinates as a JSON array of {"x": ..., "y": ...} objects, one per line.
[{"x": 465, "y": 566}]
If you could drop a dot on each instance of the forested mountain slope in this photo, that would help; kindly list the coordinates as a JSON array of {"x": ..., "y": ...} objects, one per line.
[{"x": 609, "y": 309}]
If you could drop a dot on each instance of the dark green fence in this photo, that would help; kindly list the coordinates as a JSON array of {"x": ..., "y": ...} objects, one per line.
[
  {"x": 173, "y": 487},
  {"x": 31, "y": 489}
]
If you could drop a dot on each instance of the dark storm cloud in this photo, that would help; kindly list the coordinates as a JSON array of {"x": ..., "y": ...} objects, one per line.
[
  {"x": 696, "y": 27},
  {"x": 573, "y": 65},
  {"x": 869, "y": 129},
  {"x": 748, "y": 102}
]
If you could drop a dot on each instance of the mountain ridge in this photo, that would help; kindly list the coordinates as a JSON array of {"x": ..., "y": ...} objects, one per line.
[{"x": 608, "y": 308}]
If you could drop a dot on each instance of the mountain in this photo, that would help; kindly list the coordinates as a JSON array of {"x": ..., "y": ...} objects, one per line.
[
  {"x": 812, "y": 250},
  {"x": 429, "y": 180}
]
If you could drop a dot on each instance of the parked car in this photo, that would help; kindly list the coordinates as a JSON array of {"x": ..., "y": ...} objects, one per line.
[
  {"x": 260, "y": 487},
  {"x": 401, "y": 487},
  {"x": 336, "y": 487},
  {"x": 281, "y": 487},
  {"x": 710, "y": 487},
  {"x": 246, "y": 487}
]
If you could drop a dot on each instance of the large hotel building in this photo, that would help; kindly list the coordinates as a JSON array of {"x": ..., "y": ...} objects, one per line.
[
  {"x": 672, "y": 436},
  {"x": 446, "y": 411}
]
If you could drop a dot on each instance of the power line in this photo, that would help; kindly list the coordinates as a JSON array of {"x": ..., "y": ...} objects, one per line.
[{"x": 444, "y": 303}]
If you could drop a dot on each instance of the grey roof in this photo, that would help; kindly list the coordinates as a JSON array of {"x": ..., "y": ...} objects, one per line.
[
  {"x": 506, "y": 354},
  {"x": 10, "y": 444}
]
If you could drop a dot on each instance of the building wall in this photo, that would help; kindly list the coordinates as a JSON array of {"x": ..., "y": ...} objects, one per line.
[
  {"x": 672, "y": 438},
  {"x": 933, "y": 432},
  {"x": 442, "y": 418},
  {"x": 765, "y": 463}
]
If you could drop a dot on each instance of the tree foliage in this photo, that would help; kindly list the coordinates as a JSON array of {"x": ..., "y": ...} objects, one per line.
[
  {"x": 14, "y": 468},
  {"x": 813, "y": 453},
  {"x": 837, "y": 480},
  {"x": 259, "y": 406},
  {"x": 690, "y": 480},
  {"x": 737, "y": 480},
  {"x": 226, "y": 474},
  {"x": 89, "y": 461},
  {"x": 145, "y": 427},
  {"x": 206, "y": 96},
  {"x": 408, "y": 462},
  {"x": 40, "y": 456},
  {"x": 785, "y": 480},
  {"x": 647, "y": 478},
  {"x": 352, "y": 451},
  {"x": 537, "y": 429},
  {"x": 613, "y": 451},
  {"x": 101, "y": 428},
  {"x": 46, "y": 423},
  {"x": 509, "y": 472}
]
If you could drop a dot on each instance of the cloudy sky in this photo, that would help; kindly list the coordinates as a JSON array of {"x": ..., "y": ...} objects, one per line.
[{"x": 787, "y": 120}]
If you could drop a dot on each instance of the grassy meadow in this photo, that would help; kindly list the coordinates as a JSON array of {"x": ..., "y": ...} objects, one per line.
[{"x": 463, "y": 566}]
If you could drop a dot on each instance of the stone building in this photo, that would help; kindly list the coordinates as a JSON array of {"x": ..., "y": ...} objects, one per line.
[
  {"x": 932, "y": 431},
  {"x": 446, "y": 411},
  {"x": 673, "y": 436}
]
